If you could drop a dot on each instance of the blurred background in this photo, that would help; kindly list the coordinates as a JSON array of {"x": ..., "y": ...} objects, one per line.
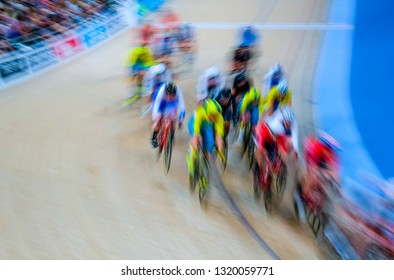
[{"x": 80, "y": 180}]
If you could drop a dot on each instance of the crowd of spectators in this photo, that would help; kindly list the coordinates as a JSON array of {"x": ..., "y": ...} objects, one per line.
[{"x": 24, "y": 23}]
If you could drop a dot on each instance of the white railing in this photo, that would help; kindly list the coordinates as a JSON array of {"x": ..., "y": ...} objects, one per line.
[{"x": 19, "y": 65}]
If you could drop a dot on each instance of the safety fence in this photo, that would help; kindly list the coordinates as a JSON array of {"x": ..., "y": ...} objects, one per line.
[
  {"x": 31, "y": 60},
  {"x": 18, "y": 65}
]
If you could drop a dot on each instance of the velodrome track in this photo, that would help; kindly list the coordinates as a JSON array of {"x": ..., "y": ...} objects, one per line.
[{"x": 79, "y": 179}]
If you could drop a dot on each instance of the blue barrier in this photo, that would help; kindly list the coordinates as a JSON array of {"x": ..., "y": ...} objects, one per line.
[
  {"x": 333, "y": 88},
  {"x": 145, "y": 7},
  {"x": 95, "y": 35},
  {"x": 151, "y": 5}
]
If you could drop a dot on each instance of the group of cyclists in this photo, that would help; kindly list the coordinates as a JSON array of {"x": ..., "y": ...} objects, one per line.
[
  {"x": 226, "y": 101},
  {"x": 151, "y": 61}
]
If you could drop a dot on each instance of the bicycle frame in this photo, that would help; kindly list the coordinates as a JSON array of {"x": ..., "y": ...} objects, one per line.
[
  {"x": 166, "y": 127},
  {"x": 165, "y": 136}
]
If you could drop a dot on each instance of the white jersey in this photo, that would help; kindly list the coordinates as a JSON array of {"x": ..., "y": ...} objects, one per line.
[
  {"x": 275, "y": 124},
  {"x": 171, "y": 106}
]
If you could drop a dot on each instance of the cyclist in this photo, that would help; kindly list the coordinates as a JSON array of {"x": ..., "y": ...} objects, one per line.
[
  {"x": 206, "y": 126},
  {"x": 139, "y": 60},
  {"x": 320, "y": 154},
  {"x": 168, "y": 102},
  {"x": 272, "y": 78},
  {"x": 224, "y": 98},
  {"x": 169, "y": 19},
  {"x": 155, "y": 77},
  {"x": 241, "y": 86},
  {"x": 250, "y": 105},
  {"x": 249, "y": 37},
  {"x": 241, "y": 58},
  {"x": 146, "y": 32},
  {"x": 277, "y": 135},
  {"x": 277, "y": 97},
  {"x": 167, "y": 46},
  {"x": 209, "y": 84},
  {"x": 186, "y": 38}
]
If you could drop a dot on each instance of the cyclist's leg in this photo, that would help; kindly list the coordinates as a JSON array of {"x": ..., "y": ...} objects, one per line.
[
  {"x": 155, "y": 131},
  {"x": 254, "y": 117},
  {"x": 131, "y": 78},
  {"x": 227, "y": 118},
  {"x": 208, "y": 138},
  {"x": 281, "y": 143},
  {"x": 156, "y": 124},
  {"x": 192, "y": 153}
]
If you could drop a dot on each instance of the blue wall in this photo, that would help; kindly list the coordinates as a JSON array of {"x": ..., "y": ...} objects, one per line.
[{"x": 372, "y": 81}]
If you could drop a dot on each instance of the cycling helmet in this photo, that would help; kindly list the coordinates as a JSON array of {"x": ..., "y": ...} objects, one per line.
[
  {"x": 288, "y": 114},
  {"x": 159, "y": 69},
  {"x": 224, "y": 93},
  {"x": 282, "y": 87},
  {"x": 328, "y": 141},
  {"x": 212, "y": 72},
  {"x": 170, "y": 88},
  {"x": 277, "y": 69}
]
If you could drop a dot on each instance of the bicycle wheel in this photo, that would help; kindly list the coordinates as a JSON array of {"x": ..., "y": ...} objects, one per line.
[
  {"x": 317, "y": 225},
  {"x": 296, "y": 210},
  {"x": 250, "y": 152},
  {"x": 194, "y": 177},
  {"x": 235, "y": 133},
  {"x": 160, "y": 141},
  {"x": 256, "y": 181},
  {"x": 168, "y": 151},
  {"x": 203, "y": 179},
  {"x": 268, "y": 200},
  {"x": 281, "y": 180},
  {"x": 225, "y": 153},
  {"x": 245, "y": 140}
]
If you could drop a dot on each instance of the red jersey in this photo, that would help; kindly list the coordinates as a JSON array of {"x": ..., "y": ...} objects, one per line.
[{"x": 318, "y": 155}]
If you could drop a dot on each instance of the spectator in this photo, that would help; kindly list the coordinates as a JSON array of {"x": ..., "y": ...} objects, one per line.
[{"x": 31, "y": 21}]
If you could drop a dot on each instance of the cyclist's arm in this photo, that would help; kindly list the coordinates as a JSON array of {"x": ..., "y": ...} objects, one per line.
[
  {"x": 156, "y": 105},
  {"x": 266, "y": 84},
  {"x": 198, "y": 120},
  {"x": 270, "y": 101},
  {"x": 148, "y": 83},
  {"x": 219, "y": 125},
  {"x": 261, "y": 105},
  {"x": 246, "y": 101},
  {"x": 294, "y": 136},
  {"x": 219, "y": 128},
  {"x": 181, "y": 105},
  {"x": 288, "y": 98}
]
